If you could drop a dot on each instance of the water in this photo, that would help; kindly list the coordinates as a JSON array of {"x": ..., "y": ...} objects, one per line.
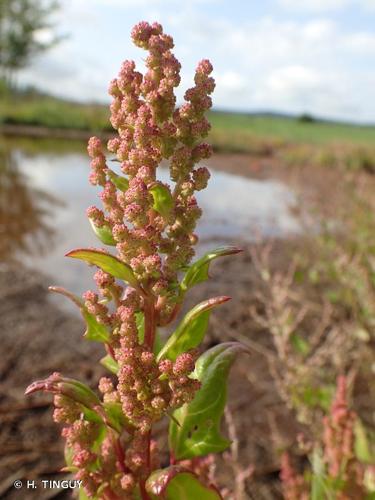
[{"x": 44, "y": 196}]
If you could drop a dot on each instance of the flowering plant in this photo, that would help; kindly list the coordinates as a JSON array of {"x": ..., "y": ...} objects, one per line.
[
  {"x": 341, "y": 464},
  {"x": 109, "y": 440}
]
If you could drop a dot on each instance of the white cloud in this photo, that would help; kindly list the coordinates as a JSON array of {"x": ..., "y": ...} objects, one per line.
[
  {"x": 314, "y": 5},
  {"x": 293, "y": 79},
  {"x": 319, "y": 29},
  {"x": 126, "y": 4},
  {"x": 261, "y": 63},
  {"x": 231, "y": 81},
  {"x": 361, "y": 43},
  {"x": 369, "y": 4}
]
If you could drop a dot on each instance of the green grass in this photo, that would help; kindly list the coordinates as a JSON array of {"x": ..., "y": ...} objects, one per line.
[
  {"x": 231, "y": 132},
  {"x": 47, "y": 111},
  {"x": 289, "y": 130}
]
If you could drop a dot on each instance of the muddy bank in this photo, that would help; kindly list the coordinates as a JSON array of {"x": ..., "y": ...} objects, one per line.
[
  {"x": 39, "y": 132},
  {"x": 39, "y": 338}
]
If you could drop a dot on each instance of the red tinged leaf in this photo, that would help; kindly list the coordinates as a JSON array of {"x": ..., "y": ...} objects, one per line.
[{"x": 177, "y": 482}]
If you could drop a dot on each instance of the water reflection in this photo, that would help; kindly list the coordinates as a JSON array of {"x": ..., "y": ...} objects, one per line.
[
  {"x": 41, "y": 173},
  {"x": 25, "y": 225}
]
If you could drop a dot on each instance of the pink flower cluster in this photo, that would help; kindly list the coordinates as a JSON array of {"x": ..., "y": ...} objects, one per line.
[
  {"x": 344, "y": 474},
  {"x": 293, "y": 483},
  {"x": 156, "y": 243},
  {"x": 147, "y": 389},
  {"x": 338, "y": 431}
]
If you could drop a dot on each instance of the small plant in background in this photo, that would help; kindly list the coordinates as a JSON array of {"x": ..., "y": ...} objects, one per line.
[
  {"x": 305, "y": 339},
  {"x": 319, "y": 316},
  {"x": 109, "y": 440},
  {"x": 338, "y": 459}
]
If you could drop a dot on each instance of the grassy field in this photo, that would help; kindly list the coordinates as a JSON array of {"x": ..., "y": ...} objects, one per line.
[
  {"x": 289, "y": 130},
  {"x": 47, "y": 111},
  {"x": 296, "y": 140}
]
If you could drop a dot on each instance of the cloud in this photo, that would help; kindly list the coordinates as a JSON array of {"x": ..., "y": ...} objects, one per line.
[
  {"x": 314, "y": 5},
  {"x": 126, "y": 4},
  {"x": 361, "y": 43},
  {"x": 370, "y": 4},
  {"x": 291, "y": 79},
  {"x": 269, "y": 63},
  {"x": 231, "y": 81}
]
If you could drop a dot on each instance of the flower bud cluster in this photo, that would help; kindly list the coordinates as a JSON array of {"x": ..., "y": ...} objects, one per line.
[
  {"x": 152, "y": 226},
  {"x": 339, "y": 432},
  {"x": 202, "y": 467},
  {"x": 150, "y": 129},
  {"x": 98, "y": 162},
  {"x": 148, "y": 389},
  {"x": 95, "y": 307},
  {"x": 80, "y": 436},
  {"x": 343, "y": 470},
  {"x": 95, "y": 464},
  {"x": 293, "y": 483}
]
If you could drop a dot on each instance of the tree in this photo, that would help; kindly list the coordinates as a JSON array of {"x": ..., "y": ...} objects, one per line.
[{"x": 22, "y": 23}]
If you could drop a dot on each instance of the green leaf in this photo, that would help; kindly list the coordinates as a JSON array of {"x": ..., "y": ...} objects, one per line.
[
  {"x": 107, "y": 262},
  {"x": 176, "y": 482},
  {"x": 163, "y": 200},
  {"x": 92, "y": 416},
  {"x": 362, "y": 444},
  {"x": 98, "y": 441},
  {"x": 82, "y": 495},
  {"x": 299, "y": 276},
  {"x": 300, "y": 345},
  {"x": 78, "y": 391},
  {"x": 318, "y": 481},
  {"x": 120, "y": 182},
  {"x": 199, "y": 430},
  {"x": 69, "y": 387},
  {"x": 318, "y": 396},
  {"x": 109, "y": 363},
  {"x": 95, "y": 331},
  {"x": 104, "y": 233},
  {"x": 198, "y": 271},
  {"x": 140, "y": 321},
  {"x": 68, "y": 455},
  {"x": 191, "y": 330},
  {"x": 116, "y": 416}
]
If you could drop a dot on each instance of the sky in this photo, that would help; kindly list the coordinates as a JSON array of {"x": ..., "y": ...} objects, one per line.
[{"x": 293, "y": 56}]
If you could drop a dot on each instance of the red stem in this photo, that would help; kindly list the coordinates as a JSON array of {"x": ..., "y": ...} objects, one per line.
[
  {"x": 150, "y": 330},
  {"x": 144, "y": 494},
  {"x": 108, "y": 494},
  {"x": 110, "y": 351},
  {"x": 150, "y": 323},
  {"x": 172, "y": 459},
  {"x": 120, "y": 455},
  {"x": 142, "y": 483}
]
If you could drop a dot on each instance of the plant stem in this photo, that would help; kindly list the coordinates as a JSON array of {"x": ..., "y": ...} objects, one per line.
[
  {"x": 142, "y": 483},
  {"x": 150, "y": 323},
  {"x": 144, "y": 494},
  {"x": 150, "y": 330},
  {"x": 120, "y": 455}
]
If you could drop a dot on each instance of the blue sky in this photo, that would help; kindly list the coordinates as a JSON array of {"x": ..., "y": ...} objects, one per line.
[{"x": 295, "y": 56}]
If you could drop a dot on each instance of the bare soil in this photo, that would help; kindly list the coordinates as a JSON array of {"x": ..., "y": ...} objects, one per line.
[{"x": 38, "y": 338}]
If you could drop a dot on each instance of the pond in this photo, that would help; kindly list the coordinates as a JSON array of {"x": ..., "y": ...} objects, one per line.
[{"x": 44, "y": 193}]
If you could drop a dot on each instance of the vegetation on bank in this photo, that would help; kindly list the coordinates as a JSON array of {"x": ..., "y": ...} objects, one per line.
[{"x": 296, "y": 141}]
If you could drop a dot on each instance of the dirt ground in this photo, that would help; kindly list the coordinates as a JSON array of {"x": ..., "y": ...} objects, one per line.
[{"x": 39, "y": 338}]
